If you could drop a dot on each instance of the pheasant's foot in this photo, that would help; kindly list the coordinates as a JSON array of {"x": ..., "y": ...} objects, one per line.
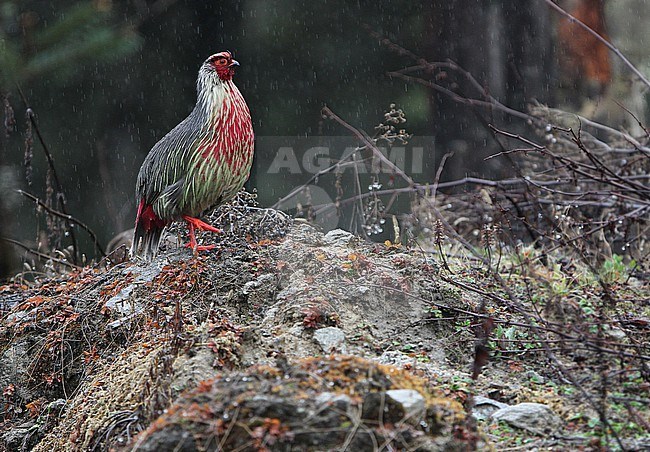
[
  {"x": 198, "y": 224},
  {"x": 193, "y": 223},
  {"x": 200, "y": 247}
]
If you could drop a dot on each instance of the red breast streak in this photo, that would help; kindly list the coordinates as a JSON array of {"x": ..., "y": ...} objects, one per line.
[{"x": 233, "y": 132}]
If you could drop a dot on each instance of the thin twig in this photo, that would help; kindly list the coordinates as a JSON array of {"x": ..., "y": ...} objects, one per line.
[
  {"x": 39, "y": 254},
  {"x": 50, "y": 161},
  {"x": 411, "y": 183},
  {"x": 493, "y": 103},
  {"x": 67, "y": 217}
]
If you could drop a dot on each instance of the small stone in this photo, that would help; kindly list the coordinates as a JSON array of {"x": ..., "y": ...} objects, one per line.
[
  {"x": 411, "y": 401},
  {"x": 121, "y": 302},
  {"x": 396, "y": 358},
  {"x": 393, "y": 406},
  {"x": 18, "y": 436},
  {"x": 534, "y": 417},
  {"x": 362, "y": 290},
  {"x": 118, "y": 302},
  {"x": 614, "y": 332},
  {"x": 56, "y": 405},
  {"x": 484, "y": 407},
  {"x": 338, "y": 237},
  {"x": 256, "y": 284},
  {"x": 331, "y": 339},
  {"x": 535, "y": 377},
  {"x": 339, "y": 401}
]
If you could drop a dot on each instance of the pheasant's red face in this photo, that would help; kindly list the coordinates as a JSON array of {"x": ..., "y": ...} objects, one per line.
[{"x": 224, "y": 65}]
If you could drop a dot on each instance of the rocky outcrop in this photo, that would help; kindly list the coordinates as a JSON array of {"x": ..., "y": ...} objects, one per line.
[{"x": 281, "y": 339}]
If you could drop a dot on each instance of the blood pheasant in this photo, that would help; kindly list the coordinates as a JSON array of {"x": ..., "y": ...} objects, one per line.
[{"x": 202, "y": 162}]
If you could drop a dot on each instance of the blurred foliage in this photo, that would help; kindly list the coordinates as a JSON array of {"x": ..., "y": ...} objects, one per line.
[{"x": 32, "y": 47}]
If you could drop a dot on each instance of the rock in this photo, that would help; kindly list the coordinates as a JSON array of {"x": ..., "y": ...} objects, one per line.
[
  {"x": 16, "y": 360},
  {"x": 176, "y": 439},
  {"x": 340, "y": 401},
  {"x": 412, "y": 402},
  {"x": 306, "y": 233},
  {"x": 536, "y": 377},
  {"x": 257, "y": 284},
  {"x": 296, "y": 287},
  {"x": 484, "y": 407},
  {"x": 303, "y": 406},
  {"x": 26, "y": 435},
  {"x": 331, "y": 339},
  {"x": 614, "y": 332},
  {"x": 122, "y": 303},
  {"x": 361, "y": 290},
  {"x": 117, "y": 302},
  {"x": 188, "y": 371},
  {"x": 246, "y": 367},
  {"x": 18, "y": 438},
  {"x": 396, "y": 358},
  {"x": 295, "y": 331},
  {"x": 273, "y": 407},
  {"x": 338, "y": 237},
  {"x": 394, "y": 406},
  {"x": 534, "y": 417},
  {"x": 260, "y": 290}
]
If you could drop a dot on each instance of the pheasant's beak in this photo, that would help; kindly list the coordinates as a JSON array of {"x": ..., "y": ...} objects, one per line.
[{"x": 233, "y": 63}]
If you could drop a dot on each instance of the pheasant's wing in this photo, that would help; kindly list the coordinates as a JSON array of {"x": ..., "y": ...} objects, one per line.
[
  {"x": 169, "y": 202},
  {"x": 163, "y": 172}
]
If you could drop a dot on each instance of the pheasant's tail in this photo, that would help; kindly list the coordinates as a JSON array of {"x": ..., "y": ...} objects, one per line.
[
  {"x": 147, "y": 234},
  {"x": 146, "y": 242}
]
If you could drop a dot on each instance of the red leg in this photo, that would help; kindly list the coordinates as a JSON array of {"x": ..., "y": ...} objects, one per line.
[
  {"x": 195, "y": 223},
  {"x": 192, "y": 243},
  {"x": 198, "y": 224}
]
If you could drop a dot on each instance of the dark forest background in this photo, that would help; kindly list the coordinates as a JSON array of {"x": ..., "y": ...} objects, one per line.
[{"x": 107, "y": 79}]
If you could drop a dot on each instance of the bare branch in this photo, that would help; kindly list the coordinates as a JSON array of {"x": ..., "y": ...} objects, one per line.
[
  {"x": 38, "y": 253},
  {"x": 67, "y": 217},
  {"x": 50, "y": 161}
]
